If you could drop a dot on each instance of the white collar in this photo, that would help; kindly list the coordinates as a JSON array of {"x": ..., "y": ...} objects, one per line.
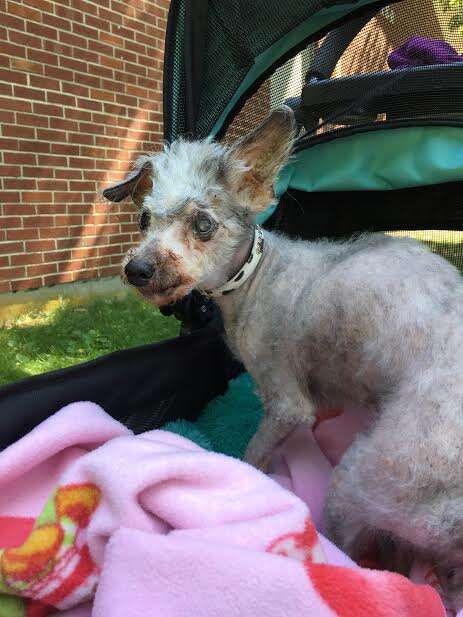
[{"x": 246, "y": 270}]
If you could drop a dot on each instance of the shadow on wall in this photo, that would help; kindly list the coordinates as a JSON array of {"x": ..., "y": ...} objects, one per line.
[{"x": 118, "y": 170}]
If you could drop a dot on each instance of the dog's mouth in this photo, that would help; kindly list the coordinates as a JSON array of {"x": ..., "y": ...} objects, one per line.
[{"x": 165, "y": 293}]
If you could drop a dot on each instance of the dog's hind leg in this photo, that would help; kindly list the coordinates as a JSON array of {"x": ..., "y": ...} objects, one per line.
[{"x": 361, "y": 510}]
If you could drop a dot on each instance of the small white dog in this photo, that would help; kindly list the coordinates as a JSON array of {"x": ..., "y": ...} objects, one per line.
[{"x": 373, "y": 322}]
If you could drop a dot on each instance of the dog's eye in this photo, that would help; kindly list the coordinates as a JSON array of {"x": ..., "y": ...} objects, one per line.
[
  {"x": 203, "y": 226},
  {"x": 144, "y": 220}
]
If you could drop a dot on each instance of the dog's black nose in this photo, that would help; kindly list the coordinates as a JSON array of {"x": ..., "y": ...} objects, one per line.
[{"x": 139, "y": 272}]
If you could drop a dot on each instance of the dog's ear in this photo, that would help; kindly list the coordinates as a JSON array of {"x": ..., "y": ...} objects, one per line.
[
  {"x": 137, "y": 184},
  {"x": 263, "y": 152}
]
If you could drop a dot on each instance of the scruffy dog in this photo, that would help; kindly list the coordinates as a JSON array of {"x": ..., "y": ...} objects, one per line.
[{"x": 375, "y": 322}]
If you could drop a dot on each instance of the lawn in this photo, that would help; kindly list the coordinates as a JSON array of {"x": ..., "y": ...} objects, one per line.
[{"x": 44, "y": 340}]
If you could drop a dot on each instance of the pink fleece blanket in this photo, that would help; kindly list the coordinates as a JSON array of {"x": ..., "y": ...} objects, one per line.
[{"x": 96, "y": 521}]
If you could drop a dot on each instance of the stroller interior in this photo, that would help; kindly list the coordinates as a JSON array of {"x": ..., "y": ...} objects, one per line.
[{"x": 378, "y": 149}]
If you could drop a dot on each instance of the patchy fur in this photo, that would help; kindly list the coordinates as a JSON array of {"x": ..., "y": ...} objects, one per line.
[{"x": 373, "y": 322}]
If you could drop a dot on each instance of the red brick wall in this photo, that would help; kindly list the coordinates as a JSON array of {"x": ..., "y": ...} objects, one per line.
[{"x": 80, "y": 95}]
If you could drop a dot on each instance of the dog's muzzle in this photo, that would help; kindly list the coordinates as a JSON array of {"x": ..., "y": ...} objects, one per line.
[{"x": 139, "y": 272}]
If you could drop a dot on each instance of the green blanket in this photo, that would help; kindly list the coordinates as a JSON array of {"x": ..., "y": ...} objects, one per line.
[{"x": 227, "y": 424}]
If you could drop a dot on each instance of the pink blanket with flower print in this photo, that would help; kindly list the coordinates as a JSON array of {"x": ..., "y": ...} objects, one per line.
[{"x": 95, "y": 521}]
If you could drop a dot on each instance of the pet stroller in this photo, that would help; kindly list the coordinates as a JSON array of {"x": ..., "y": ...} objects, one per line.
[
  {"x": 379, "y": 148},
  {"x": 380, "y": 117}
]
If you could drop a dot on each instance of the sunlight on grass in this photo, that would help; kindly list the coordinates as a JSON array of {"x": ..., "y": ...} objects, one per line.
[
  {"x": 41, "y": 340},
  {"x": 449, "y": 244}
]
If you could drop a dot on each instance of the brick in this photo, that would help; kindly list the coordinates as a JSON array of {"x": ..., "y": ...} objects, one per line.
[
  {"x": 61, "y": 99},
  {"x": 55, "y": 279},
  {"x": 53, "y": 232},
  {"x": 36, "y": 196},
  {"x": 11, "y": 130},
  {"x": 68, "y": 13},
  {"x": 26, "y": 259},
  {"x": 48, "y": 110},
  {"x": 6, "y": 116},
  {"x": 66, "y": 149},
  {"x": 95, "y": 22},
  {"x": 43, "y": 5},
  {"x": 31, "y": 120},
  {"x": 29, "y": 93},
  {"x": 76, "y": 89},
  {"x": 26, "y": 65},
  {"x": 26, "y": 284},
  {"x": 38, "y": 221},
  {"x": 6, "y": 89},
  {"x": 51, "y": 135},
  {"x": 89, "y": 104},
  {"x": 41, "y": 270},
  {"x": 8, "y": 248},
  {"x": 58, "y": 48},
  {"x": 14, "y": 104},
  {"x": 82, "y": 185},
  {"x": 78, "y": 114},
  {"x": 18, "y": 184},
  {"x": 5, "y": 287},
  {"x": 41, "y": 30},
  {"x": 62, "y": 124},
  {"x": 67, "y": 197},
  {"x": 68, "y": 220},
  {"x": 109, "y": 271},
  {"x": 12, "y": 273},
  {"x": 52, "y": 184},
  {"x": 24, "y": 11},
  {"x": 18, "y": 209},
  {"x": 16, "y": 77},
  {"x": 88, "y": 80},
  {"x": 34, "y": 146},
  {"x": 59, "y": 73},
  {"x": 12, "y": 171},
  {"x": 33, "y": 43},
  {"x": 74, "y": 65},
  {"x": 45, "y": 57},
  {"x": 109, "y": 16},
  {"x": 101, "y": 48},
  {"x": 111, "y": 39},
  {"x": 21, "y": 158},
  {"x": 58, "y": 22},
  {"x": 22, "y": 234},
  {"x": 68, "y": 173},
  {"x": 72, "y": 39},
  {"x": 81, "y": 138},
  {"x": 38, "y": 245},
  {"x": 10, "y": 49},
  {"x": 38, "y": 172},
  {"x": 9, "y": 144},
  {"x": 11, "y": 21},
  {"x": 47, "y": 83},
  {"x": 11, "y": 222},
  {"x": 5, "y": 261},
  {"x": 113, "y": 63},
  {"x": 82, "y": 163}
]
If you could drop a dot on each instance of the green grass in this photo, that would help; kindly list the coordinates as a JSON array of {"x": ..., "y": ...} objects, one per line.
[{"x": 45, "y": 340}]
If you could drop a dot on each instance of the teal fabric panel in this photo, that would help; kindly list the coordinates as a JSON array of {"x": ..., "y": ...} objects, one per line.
[
  {"x": 379, "y": 160},
  {"x": 227, "y": 424}
]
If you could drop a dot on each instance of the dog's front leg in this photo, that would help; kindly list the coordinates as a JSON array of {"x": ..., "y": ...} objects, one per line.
[{"x": 284, "y": 410}]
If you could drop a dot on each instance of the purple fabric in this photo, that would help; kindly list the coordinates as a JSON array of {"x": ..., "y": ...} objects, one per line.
[{"x": 421, "y": 51}]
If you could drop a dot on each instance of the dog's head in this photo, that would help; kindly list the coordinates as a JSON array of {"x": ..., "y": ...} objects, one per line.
[{"x": 197, "y": 201}]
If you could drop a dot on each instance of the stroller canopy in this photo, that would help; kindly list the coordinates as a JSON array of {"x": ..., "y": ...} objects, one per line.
[{"x": 351, "y": 71}]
